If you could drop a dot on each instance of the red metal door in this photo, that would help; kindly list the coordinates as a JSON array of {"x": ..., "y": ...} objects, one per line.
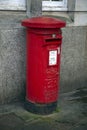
[{"x": 43, "y": 65}]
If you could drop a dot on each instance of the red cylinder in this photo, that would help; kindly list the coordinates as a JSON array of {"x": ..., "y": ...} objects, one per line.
[{"x": 44, "y": 38}]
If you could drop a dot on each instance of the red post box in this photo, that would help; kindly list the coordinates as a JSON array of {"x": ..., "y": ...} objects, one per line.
[{"x": 44, "y": 38}]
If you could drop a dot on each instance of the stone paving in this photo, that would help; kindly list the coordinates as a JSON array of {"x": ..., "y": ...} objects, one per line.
[{"x": 71, "y": 114}]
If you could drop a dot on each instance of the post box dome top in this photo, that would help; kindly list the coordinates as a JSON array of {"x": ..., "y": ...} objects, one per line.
[{"x": 43, "y": 22}]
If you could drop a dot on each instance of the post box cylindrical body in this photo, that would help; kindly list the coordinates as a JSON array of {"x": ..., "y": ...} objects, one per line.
[{"x": 44, "y": 40}]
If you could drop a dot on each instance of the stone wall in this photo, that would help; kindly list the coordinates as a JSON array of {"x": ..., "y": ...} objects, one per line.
[
  {"x": 36, "y": 7},
  {"x": 12, "y": 57},
  {"x": 73, "y": 59}
]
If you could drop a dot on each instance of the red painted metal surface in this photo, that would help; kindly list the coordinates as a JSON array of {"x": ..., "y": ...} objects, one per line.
[
  {"x": 44, "y": 40},
  {"x": 43, "y": 22}
]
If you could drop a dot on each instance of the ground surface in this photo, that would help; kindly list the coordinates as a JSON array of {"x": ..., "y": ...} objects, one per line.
[{"x": 71, "y": 114}]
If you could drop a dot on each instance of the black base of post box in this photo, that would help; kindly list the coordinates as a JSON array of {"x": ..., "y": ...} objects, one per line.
[{"x": 41, "y": 108}]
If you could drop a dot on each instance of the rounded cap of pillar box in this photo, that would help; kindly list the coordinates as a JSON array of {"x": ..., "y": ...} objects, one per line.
[{"x": 43, "y": 22}]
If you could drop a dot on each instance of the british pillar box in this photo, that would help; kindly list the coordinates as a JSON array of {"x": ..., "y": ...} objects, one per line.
[{"x": 44, "y": 39}]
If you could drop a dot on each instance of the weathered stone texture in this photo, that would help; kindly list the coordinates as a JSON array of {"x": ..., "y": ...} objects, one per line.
[
  {"x": 12, "y": 64},
  {"x": 73, "y": 59},
  {"x": 36, "y": 8}
]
